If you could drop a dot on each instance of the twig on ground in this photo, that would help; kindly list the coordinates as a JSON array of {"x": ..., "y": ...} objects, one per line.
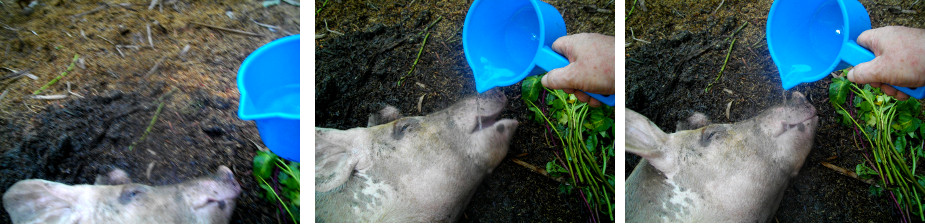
[
  {"x": 69, "y": 90},
  {"x": 16, "y": 74},
  {"x": 847, "y": 173},
  {"x": 415, "y": 59},
  {"x": 329, "y": 30},
  {"x": 156, "y": 65},
  {"x": 150, "y": 167},
  {"x": 53, "y": 81},
  {"x": 49, "y": 97},
  {"x": 420, "y": 101},
  {"x": 538, "y": 170},
  {"x": 153, "y": 2},
  {"x": 183, "y": 52},
  {"x": 3, "y": 94},
  {"x": 97, "y": 9},
  {"x": 724, "y": 66},
  {"x": 127, "y": 6},
  {"x": 633, "y": 35},
  {"x": 113, "y": 44},
  {"x": 150, "y": 42},
  {"x": 717, "y": 7},
  {"x": 228, "y": 30},
  {"x": 268, "y": 26}
]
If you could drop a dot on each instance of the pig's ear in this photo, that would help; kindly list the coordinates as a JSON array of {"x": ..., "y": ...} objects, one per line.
[
  {"x": 643, "y": 138},
  {"x": 386, "y": 115},
  {"x": 114, "y": 177},
  {"x": 334, "y": 161},
  {"x": 41, "y": 201},
  {"x": 695, "y": 121}
]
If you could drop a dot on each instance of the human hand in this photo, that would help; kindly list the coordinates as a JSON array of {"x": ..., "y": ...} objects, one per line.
[
  {"x": 900, "y": 59},
  {"x": 590, "y": 69}
]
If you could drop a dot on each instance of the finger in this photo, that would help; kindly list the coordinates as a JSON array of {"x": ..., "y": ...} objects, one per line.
[
  {"x": 888, "y": 90},
  {"x": 582, "y": 96},
  {"x": 875, "y": 84},
  {"x": 870, "y": 40},
  {"x": 559, "y": 79},
  {"x": 868, "y": 72},
  {"x": 563, "y": 45},
  {"x": 595, "y": 103}
]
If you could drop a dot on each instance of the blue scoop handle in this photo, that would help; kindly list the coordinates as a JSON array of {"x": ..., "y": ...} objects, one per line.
[
  {"x": 855, "y": 54},
  {"x": 548, "y": 59}
]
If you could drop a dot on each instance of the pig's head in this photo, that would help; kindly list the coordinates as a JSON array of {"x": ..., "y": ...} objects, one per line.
[
  {"x": 724, "y": 164},
  {"x": 413, "y": 168},
  {"x": 204, "y": 200}
]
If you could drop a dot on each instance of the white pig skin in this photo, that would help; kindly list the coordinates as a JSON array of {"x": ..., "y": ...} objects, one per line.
[
  {"x": 114, "y": 200},
  {"x": 414, "y": 169},
  {"x": 717, "y": 173}
]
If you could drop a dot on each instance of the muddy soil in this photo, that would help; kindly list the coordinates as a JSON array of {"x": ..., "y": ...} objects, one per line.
[
  {"x": 73, "y": 139},
  {"x": 681, "y": 49},
  {"x": 363, "y": 48}
]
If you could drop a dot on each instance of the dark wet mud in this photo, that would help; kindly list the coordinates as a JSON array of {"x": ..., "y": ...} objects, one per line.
[{"x": 681, "y": 48}]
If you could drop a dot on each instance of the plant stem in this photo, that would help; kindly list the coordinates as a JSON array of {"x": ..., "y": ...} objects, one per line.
[
  {"x": 53, "y": 81},
  {"x": 279, "y": 199}
]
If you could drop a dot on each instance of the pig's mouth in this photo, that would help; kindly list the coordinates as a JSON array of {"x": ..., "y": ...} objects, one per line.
[
  {"x": 799, "y": 125},
  {"x": 221, "y": 203}
]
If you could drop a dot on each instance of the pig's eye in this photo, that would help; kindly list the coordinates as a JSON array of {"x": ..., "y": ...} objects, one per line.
[
  {"x": 708, "y": 134},
  {"x": 403, "y": 126},
  {"x": 130, "y": 194}
]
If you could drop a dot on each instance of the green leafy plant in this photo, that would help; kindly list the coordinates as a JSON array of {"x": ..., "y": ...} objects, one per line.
[
  {"x": 894, "y": 131},
  {"x": 284, "y": 176},
  {"x": 587, "y": 137}
]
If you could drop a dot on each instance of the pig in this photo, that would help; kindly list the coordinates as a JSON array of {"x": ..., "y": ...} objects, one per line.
[
  {"x": 412, "y": 169},
  {"x": 114, "y": 199},
  {"x": 720, "y": 172}
]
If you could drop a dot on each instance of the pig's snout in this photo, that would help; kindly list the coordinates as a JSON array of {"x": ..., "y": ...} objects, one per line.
[{"x": 796, "y": 114}]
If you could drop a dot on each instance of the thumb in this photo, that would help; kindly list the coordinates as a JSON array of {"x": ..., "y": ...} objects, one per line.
[
  {"x": 868, "y": 72},
  {"x": 559, "y": 79}
]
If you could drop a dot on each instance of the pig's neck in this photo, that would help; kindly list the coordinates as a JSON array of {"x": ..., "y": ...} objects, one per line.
[
  {"x": 646, "y": 189},
  {"x": 361, "y": 199}
]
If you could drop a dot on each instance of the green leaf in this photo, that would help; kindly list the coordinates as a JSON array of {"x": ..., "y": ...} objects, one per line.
[
  {"x": 554, "y": 169},
  {"x": 845, "y": 117},
  {"x": 876, "y": 191},
  {"x": 550, "y": 98},
  {"x": 294, "y": 198},
  {"x": 263, "y": 164},
  {"x": 838, "y": 91},
  {"x": 905, "y": 122},
  {"x": 597, "y": 122},
  {"x": 530, "y": 89},
  {"x": 864, "y": 172},
  {"x": 591, "y": 143},
  {"x": 537, "y": 114},
  {"x": 867, "y": 106},
  {"x": 900, "y": 144},
  {"x": 566, "y": 189},
  {"x": 561, "y": 117}
]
